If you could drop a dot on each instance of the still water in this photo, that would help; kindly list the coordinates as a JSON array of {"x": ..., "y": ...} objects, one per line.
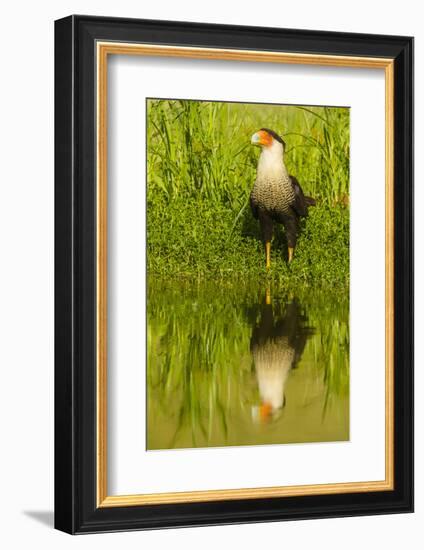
[{"x": 232, "y": 364}]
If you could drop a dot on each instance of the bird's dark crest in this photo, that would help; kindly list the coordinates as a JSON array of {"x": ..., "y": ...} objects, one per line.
[{"x": 274, "y": 135}]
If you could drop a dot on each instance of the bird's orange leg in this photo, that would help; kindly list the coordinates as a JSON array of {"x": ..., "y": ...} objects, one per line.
[
  {"x": 268, "y": 296},
  {"x": 291, "y": 251},
  {"x": 268, "y": 254}
]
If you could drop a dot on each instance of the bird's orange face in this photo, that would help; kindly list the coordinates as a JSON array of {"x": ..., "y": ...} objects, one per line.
[
  {"x": 265, "y": 413},
  {"x": 262, "y": 138}
]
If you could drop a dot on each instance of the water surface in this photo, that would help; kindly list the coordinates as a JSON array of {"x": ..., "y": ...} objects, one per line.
[{"x": 236, "y": 364}]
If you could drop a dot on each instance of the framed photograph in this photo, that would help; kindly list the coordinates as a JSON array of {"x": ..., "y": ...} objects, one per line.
[{"x": 234, "y": 274}]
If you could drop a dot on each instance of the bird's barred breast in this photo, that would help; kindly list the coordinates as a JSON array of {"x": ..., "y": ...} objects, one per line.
[{"x": 273, "y": 195}]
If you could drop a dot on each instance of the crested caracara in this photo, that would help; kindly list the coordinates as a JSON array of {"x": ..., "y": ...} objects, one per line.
[
  {"x": 276, "y": 196},
  {"x": 277, "y": 344}
]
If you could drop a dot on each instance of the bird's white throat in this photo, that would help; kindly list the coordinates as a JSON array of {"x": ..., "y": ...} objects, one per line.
[{"x": 271, "y": 162}]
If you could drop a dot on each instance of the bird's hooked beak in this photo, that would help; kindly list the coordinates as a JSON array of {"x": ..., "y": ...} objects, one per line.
[
  {"x": 261, "y": 138},
  {"x": 256, "y": 139}
]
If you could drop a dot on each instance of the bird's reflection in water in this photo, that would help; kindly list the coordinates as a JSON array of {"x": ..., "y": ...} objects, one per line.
[
  {"x": 217, "y": 353},
  {"x": 277, "y": 344}
]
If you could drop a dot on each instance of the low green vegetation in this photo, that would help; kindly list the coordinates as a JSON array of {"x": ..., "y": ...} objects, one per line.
[
  {"x": 195, "y": 238},
  {"x": 201, "y": 168}
]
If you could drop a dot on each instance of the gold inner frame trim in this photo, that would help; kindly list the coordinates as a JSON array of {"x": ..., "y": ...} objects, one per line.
[{"x": 104, "y": 49}]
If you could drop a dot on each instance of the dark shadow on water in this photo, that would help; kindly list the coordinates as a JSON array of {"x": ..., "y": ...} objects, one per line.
[{"x": 46, "y": 517}]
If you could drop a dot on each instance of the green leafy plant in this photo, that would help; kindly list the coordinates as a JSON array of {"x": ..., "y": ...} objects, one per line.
[{"x": 201, "y": 168}]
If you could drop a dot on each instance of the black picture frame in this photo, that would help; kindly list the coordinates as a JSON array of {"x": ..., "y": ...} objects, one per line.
[{"x": 76, "y": 510}]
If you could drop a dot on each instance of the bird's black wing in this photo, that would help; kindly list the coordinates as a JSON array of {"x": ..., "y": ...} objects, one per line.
[
  {"x": 254, "y": 206},
  {"x": 300, "y": 205}
]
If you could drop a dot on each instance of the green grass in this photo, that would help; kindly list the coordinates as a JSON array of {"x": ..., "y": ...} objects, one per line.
[
  {"x": 201, "y": 168},
  {"x": 197, "y": 238}
]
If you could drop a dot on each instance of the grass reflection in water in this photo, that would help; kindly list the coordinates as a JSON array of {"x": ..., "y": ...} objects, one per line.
[{"x": 237, "y": 365}]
